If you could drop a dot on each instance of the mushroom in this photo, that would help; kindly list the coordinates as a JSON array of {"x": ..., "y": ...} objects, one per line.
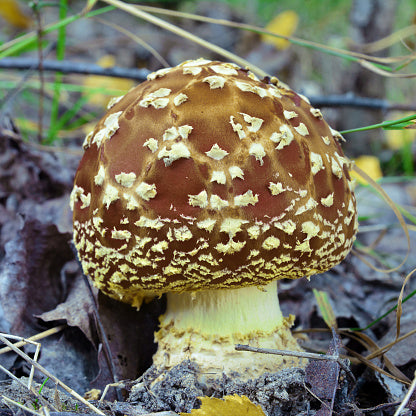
[{"x": 209, "y": 185}]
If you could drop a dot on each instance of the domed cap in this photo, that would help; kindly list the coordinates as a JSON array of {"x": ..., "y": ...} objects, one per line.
[{"x": 204, "y": 177}]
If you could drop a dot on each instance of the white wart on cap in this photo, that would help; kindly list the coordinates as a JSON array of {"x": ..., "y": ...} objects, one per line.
[{"x": 204, "y": 177}]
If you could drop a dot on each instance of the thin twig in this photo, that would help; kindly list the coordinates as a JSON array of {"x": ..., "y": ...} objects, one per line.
[
  {"x": 36, "y": 337},
  {"x": 296, "y": 41},
  {"x": 71, "y": 67},
  {"x": 186, "y": 35},
  {"x": 103, "y": 337},
  {"x": 101, "y": 329},
  {"x": 25, "y": 408},
  {"x": 21, "y": 84},
  {"x": 85, "y": 68},
  {"x": 299, "y": 354},
  {"x": 382, "y": 406},
  {"x": 136, "y": 39},
  {"x": 324, "y": 404},
  {"x": 40, "y": 67},
  {"x": 51, "y": 376},
  {"x": 35, "y": 357},
  {"x": 351, "y": 100},
  {"x": 406, "y": 399},
  {"x": 31, "y": 389}
]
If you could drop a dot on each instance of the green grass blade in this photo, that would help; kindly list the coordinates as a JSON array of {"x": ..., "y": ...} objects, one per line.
[
  {"x": 61, "y": 123},
  {"x": 29, "y": 40},
  {"x": 399, "y": 124},
  {"x": 392, "y": 309}
]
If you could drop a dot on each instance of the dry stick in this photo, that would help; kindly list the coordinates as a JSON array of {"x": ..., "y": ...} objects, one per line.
[
  {"x": 409, "y": 393},
  {"x": 26, "y": 409},
  {"x": 398, "y": 214},
  {"x": 387, "y": 347},
  {"x": 261, "y": 30},
  {"x": 326, "y": 405},
  {"x": 51, "y": 376},
  {"x": 31, "y": 389},
  {"x": 107, "y": 387},
  {"x": 183, "y": 33},
  {"x": 20, "y": 85},
  {"x": 29, "y": 341},
  {"x": 104, "y": 338},
  {"x": 136, "y": 39},
  {"x": 140, "y": 74},
  {"x": 41, "y": 74},
  {"x": 40, "y": 335},
  {"x": 35, "y": 357},
  {"x": 71, "y": 67},
  {"x": 299, "y": 354}
]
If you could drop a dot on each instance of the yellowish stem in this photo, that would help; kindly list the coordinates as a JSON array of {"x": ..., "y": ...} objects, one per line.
[{"x": 204, "y": 327}]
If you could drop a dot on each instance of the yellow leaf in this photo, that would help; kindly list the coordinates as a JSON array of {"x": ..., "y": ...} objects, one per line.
[
  {"x": 370, "y": 165},
  {"x": 102, "y": 82},
  {"x": 11, "y": 12},
  {"x": 284, "y": 24},
  {"x": 228, "y": 406},
  {"x": 325, "y": 307}
]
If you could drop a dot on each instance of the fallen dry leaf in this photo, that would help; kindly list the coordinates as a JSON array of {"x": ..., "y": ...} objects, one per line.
[
  {"x": 76, "y": 310},
  {"x": 322, "y": 377},
  {"x": 370, "y": 165},
  {"x": 30, "y": 282},
  {"x": 13, "y": 14},
  {"x": 284, "y": 24}
]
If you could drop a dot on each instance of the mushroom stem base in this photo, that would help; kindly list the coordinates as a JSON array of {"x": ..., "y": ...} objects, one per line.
[{"x": 205, "y": 326}]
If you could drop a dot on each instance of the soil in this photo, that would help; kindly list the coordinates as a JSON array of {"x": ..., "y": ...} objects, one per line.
[{"x": 282, "y": 393}]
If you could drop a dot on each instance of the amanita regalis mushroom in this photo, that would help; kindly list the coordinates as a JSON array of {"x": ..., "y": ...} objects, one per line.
[{"x": 209, "y": 185}]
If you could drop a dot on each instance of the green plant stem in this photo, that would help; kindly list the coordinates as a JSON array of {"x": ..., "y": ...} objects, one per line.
[
  {"x": 410, "y": 295},
  {"x": 390, "y": 124},
  {"x": 68, "y": 115},
  {"x": 407, "y": 158},
  {"x": 36, "y": 403}
]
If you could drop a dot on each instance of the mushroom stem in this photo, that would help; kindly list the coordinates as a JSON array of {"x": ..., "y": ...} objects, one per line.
[{"x": 204, "y": 326}]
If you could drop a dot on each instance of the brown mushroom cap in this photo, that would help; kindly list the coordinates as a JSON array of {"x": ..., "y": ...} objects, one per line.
[{"x": 204, "y": 177}]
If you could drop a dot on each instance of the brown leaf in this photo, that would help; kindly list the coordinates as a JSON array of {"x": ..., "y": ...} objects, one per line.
[
  {"x": 130, "y": 335},
  {"x": 77, "y": 310},
  {"x": 403, "y": 351},
  {"x": 323, "y": 377},
  {"x": 30, "y": 282}
]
